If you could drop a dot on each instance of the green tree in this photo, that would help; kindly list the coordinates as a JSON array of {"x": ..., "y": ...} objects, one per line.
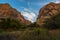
[
  {"x": 53, "y": 22},
  {"x": 6, "y": 23},
  {"x": 34, "y": 25}
]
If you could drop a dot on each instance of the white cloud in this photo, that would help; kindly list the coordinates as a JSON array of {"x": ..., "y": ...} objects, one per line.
[
  {"x": 57, "y": 2},
  {"x": 29, "y": 15}
]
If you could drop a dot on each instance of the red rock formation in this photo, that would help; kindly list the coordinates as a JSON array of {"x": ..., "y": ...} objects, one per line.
[
  {"x": 7, "y": 11},
  {"x": 47, "y": 12}
]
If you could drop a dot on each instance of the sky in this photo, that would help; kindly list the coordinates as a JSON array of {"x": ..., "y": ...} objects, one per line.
[{"x": 28, "y": 8}]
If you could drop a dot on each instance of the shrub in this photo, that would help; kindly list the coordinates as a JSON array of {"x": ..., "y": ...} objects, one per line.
[
  {"x": 6, "y": 23},
  {"x": 33, "y": 25},
  {"x": 53, "y": 22}
]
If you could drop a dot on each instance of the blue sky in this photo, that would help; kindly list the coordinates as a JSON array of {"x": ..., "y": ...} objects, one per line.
[{"x": 28, "y": 8}]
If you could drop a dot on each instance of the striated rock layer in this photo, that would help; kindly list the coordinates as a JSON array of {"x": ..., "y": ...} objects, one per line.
[
  {"x": 47, "y": 12},
  {"x": 7, "y": 11}
]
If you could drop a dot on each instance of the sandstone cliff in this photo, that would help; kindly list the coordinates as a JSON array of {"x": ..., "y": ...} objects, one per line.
[
  {"x": 47, "y": 12},
  {"x": 7, "y": 11}
]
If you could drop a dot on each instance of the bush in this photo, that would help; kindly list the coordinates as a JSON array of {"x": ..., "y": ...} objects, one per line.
[
  {"x": 7, "y": 23},
  {"x": 33, "y": 25},
  {"x": 54, "y": 22}
]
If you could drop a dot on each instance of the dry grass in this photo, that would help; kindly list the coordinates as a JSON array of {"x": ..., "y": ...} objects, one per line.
[{"x": 32, "y": 34}]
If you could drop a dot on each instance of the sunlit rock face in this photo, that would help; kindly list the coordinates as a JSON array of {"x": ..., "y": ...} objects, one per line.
[
  {"x": 7, "y": 11},
  {"x": 47, "y": 12}
]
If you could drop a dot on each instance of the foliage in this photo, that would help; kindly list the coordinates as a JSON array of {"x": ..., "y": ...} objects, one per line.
[
  {"x": 53, "y": 22},
  {"x": 33, "y": 25},
  {"x": 9, "y": 23},
  {"x": 34, "y": 34}
]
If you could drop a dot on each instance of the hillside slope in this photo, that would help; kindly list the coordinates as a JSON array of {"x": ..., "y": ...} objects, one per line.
[
  {"x": 47, "y": 12},
  {"x": 7, "y": 11}
]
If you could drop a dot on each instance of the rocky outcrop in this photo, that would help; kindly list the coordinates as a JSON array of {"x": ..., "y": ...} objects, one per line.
[
  {"x": 47, "y": 12},
  {"x": 7, "y": 11}
]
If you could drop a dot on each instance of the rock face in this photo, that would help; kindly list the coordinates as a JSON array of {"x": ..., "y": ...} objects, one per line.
[
  {"x": 7, "y": 11},
  {"x": 47, "y": 12}
]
